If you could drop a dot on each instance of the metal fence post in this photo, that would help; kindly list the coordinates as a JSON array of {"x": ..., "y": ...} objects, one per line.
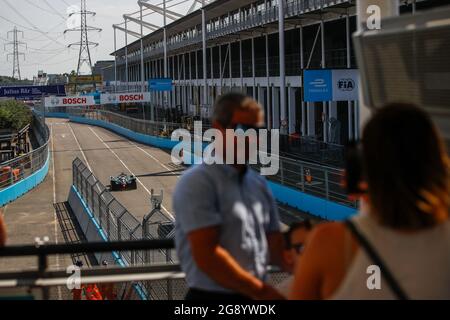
[
  {"x": 100, "y": 211},
  {"x": 119, "y": 229},
  {"x": 302, "y": 177},
  {"x": 73, "y": 173},
  {"x": 90, "y": 190},
  {"x": 133, "y": 252},
  {"x": 108, "y": 218},
  {"x": 92, "y": 198}
]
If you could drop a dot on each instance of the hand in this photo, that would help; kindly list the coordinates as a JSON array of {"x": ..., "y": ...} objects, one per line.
[{"x": 269, "y": 293}]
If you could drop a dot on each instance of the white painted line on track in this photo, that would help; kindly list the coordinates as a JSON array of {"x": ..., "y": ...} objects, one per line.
[
  {"x": 159, "y": 162},
  {"x": 81, "y": 149},
  {"x": 155, "y": 159},
  {"x": 126, "y": 167},
  {"x": 54, "y": 202}
]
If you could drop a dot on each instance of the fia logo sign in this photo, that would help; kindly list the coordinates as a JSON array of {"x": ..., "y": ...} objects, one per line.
[{"x": 346, "y": 85}]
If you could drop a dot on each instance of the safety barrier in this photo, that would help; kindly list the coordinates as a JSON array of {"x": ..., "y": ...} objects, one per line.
[
  {"x": 22, "y": 174},
  {"x": 102, "y": 218},
  {"x": 312, "y": 188},
  {"x": 308, "y": 187}
]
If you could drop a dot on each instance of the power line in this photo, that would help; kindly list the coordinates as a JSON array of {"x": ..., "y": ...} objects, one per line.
[
  {"x": 48, "y": 63},
  {"x": 65, "y": 2},
  {"x": 43, "y": 9},
  {"x": 29, "y": 22},
  {"x": 48, "y": 59},
  {"x": 54, "y": 10}
]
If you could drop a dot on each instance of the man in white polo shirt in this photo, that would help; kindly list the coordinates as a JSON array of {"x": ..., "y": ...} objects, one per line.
[{"x": 227, "y": 223}]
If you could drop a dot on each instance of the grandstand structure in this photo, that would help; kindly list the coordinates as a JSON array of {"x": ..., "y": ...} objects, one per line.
[{"x": 242, "y": 51}]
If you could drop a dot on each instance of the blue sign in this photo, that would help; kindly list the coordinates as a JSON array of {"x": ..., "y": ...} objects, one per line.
[
  {"x": 31, "y": 92},
  {"x": 163, "y": 84},
  {"x": 317, "y": 85},
  {"x": 331, "y": 85},
  {"x": 95, "y": 94}
]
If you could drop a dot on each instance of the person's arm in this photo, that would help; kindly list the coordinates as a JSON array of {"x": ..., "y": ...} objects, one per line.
[
  {"x": 274, "y": 236},
  {"x": 220, "y": 266},
  {"x": 322, "y": 266},
  {"x": 3, "y": 234},
  {"x": 308, "y": 274}
]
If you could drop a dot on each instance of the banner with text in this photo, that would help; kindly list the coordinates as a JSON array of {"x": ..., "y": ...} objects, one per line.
[
  {"x": 135, "y": 97},
  {"x": 331, "y": 85},
  {"x": 163, "y": 84},
  {"x": 70, "y": 101},
  {"x": 31, "y": 92}
]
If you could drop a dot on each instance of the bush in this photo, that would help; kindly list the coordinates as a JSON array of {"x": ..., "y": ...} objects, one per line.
[{"x": 14, "y": 115}]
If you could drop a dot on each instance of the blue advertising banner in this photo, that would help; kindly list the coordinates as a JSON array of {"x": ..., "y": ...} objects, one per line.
[
  {"x": 31, "y": 92},
  {"x": 331, "y": 85},
  {"x": 163, "y": 84},
  {"x": 318, "y": 85}
]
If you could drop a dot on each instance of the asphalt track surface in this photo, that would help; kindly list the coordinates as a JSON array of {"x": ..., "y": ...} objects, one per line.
[{"x": 43, "y": 212}]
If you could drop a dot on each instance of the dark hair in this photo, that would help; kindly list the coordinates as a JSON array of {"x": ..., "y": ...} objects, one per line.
[
  {"x": 406, "y": 167},
  {"x": 228, "y": 103},
  {"x": 305, "y": 224}
]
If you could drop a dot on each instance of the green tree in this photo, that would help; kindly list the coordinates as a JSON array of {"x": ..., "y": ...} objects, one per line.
[{"x": 14, "y": 115}]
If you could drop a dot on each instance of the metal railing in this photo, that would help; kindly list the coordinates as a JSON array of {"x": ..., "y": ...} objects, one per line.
[
  {"x": 315, "y": 179},
  {"x": 150, "y": 278},
  {"x": 120, "y": 225},
  {"x": 247, "y": 21},
  {"x": 20, "y": 168},
  {"x": 117, "y": 223},
  {"x": 148, "y": 127},
  {"x": 161, "y": 129}
]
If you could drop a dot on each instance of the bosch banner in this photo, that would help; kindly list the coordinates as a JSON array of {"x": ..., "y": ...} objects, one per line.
[
  {"x": 73, "y": 101},
  {"x": 114, "y": 98}
]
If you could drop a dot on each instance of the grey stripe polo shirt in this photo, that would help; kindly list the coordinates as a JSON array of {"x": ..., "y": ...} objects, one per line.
[{"x": 241, "y": 205}]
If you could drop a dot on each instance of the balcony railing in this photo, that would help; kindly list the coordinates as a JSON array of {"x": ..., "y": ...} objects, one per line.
[
  {"x": 247, "y": 21},
  {"x": 148, "y": 282},
  {"x": 20, "y": 168}
]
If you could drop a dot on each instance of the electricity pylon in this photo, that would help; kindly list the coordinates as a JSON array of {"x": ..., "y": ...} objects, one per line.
[
  {"x": 84, "y": 57},
  {"x": 15, "y": 43}
]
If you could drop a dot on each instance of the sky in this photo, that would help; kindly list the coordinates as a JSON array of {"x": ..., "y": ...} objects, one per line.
[{"x": 43, "y": 23}]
